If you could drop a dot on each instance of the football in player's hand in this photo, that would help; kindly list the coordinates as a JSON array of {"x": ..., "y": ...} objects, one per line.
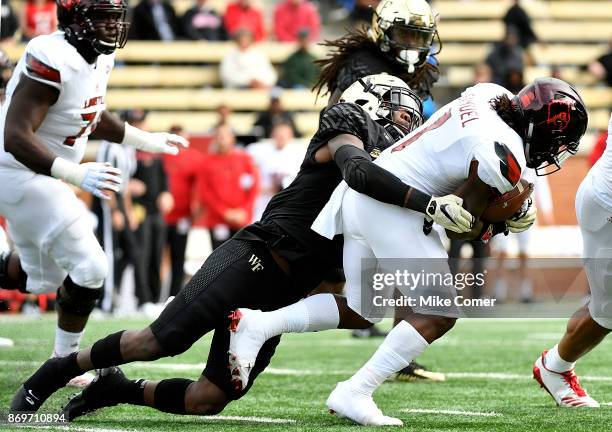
[{"x": 503, "y": 207}]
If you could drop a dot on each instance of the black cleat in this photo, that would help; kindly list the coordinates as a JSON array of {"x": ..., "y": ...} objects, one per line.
[
  {"x": 371, "y": 332},
  {"x": 104, "y": 391},
  {"x": 25, "y": 400},
  {"x": 417, "y": 372},
  {"x": 50, "y": 377}
]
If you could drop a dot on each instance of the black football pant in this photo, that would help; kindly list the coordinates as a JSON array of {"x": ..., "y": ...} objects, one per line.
[{"x": 237, "y": 274}]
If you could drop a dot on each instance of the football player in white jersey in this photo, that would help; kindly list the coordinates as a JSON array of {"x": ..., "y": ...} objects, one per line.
[
  {"x": 482, "y": 142},
  {"x": 554, "y": 369},
  {"x": 55, "y": 101}
]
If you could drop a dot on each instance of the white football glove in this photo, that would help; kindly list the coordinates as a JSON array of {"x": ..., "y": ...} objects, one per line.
[
  {"x": 158, "y": 142},
  {"x": 524, "y": 219},
  {"x": 449, "y": 212},
  {"x": 93, "y": 177}
]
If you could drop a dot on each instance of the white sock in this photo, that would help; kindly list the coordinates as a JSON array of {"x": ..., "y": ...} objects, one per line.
[
  {"x": 66, "y": 342},
  {"x": 400, "y": 347},
  {"x": 314, "y": 313},
  {"x": 554, "y": 362}
]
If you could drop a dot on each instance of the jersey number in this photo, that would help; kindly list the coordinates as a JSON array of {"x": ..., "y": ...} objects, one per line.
[
  {"x": 435, "y": 125},
  {"x": 92, "y": 121}
]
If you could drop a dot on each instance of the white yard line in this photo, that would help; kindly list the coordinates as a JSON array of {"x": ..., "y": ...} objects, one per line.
[
  {"x": 310, "y": 372},
  {"x": 249, "y": 419},
  {"x": 451, "y": 412},
  {"x": 71, "y": 428}
]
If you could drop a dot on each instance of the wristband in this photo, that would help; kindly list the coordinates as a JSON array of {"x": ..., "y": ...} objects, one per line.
[
  {"x": 65, "y": 170},
  {"x": 135, "y": 137}
]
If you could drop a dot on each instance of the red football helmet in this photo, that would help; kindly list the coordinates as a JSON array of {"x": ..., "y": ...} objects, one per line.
[
  {"x": 554, "y": 120},
  {"x": 101, "y": 24}
]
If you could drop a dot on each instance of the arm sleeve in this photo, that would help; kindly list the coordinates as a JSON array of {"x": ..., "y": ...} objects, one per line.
[
  {"x": 362, "y": 175},
  {"x": 41, "y": 66}
]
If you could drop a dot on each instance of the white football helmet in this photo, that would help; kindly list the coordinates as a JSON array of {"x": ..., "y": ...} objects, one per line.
[
  {"x": 404, "y": 29},
  {"x": 380, "y": 96}
]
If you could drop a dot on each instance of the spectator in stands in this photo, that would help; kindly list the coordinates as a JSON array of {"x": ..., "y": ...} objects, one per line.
[
  {"x": 154, "y": 203},
  {"x": 8, "y": 21},
  {"x": 299, "y": 70},
  {"x": 275, "y": 114},
  {"x": 201, "y": 22},
  {"x": 517, "y": 18},
  {"x": 505, "y": 58},
  {"x": 182, "y": 171},
  {"x": 482, "y": 73},
  {"x": 514, "y": 80},
  {"x": 154, "y": 20},
  {"x": 241, "y": 14},
  {"x": 602, "y": 67},
  {"x": 246, "y": 67},
  {"x": 39, "y": 17},
  {"x": 293, "y": 16},
  {"x": 277, "y": 163},
  {"x": 223, "y": 112},
  {"x": 227, "y": 186}
]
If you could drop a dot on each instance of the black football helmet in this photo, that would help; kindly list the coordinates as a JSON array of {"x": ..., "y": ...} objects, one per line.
[
  {"x": 99, "y": 24},
  {"x": 554, "y": 119}
]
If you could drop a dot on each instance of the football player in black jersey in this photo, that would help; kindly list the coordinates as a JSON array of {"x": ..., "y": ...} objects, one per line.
[
  {"x": 399, "y": 43},
  {"x": 267, "y": 265}
]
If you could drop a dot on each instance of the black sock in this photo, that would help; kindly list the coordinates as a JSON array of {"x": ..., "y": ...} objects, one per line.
[
  {"x": 170, "y": 395},
  {"x": 133, "y": 392},
  {"x": 53, "y": 375},
  {"x": 107, "y": 352}
]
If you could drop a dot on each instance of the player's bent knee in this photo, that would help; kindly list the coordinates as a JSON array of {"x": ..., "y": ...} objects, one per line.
[
  {"x": 140, "y": 345},
  {"x": 205, "y": 398},
  {"x": 76, "y": 299},
  {"x": 364, "y": 322},
  {"x": 444, "y": 324},
  {"x": 91, "y": 271}
]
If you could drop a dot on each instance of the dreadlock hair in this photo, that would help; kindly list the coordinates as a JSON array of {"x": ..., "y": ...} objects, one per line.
[
  {"x": 343, "y": 48},
  {"x": 509, "y": 113}
]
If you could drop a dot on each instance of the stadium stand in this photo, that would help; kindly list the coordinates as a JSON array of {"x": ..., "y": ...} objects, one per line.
[{"x": 181, "y": 79}]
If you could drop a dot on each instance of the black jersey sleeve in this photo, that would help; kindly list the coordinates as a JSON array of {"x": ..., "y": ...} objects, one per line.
[{"x": 339, "y": 119}]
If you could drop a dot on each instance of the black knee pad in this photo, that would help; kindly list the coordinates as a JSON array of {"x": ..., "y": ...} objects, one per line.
[
  {"x": 8, "y": 282},
  {"x": 77, "y": 300},
  {"x": 170, "y": 395}
]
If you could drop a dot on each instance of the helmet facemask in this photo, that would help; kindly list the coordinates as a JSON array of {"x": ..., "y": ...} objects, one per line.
[
  {"x": 397, "y": 103},
  {"x": 554, "y": 136},
  {"x": 405, "y": 30},
  {"x": 409, "y": 44}
]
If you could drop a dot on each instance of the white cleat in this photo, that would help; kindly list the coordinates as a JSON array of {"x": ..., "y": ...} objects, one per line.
[
  {"x": 246, "y": 339},
  {"x": 344, "y": 401},
  {"x": 563, "y": 387}
]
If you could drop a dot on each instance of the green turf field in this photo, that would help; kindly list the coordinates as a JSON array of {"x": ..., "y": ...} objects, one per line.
[{"x": 489, "y": 386}]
